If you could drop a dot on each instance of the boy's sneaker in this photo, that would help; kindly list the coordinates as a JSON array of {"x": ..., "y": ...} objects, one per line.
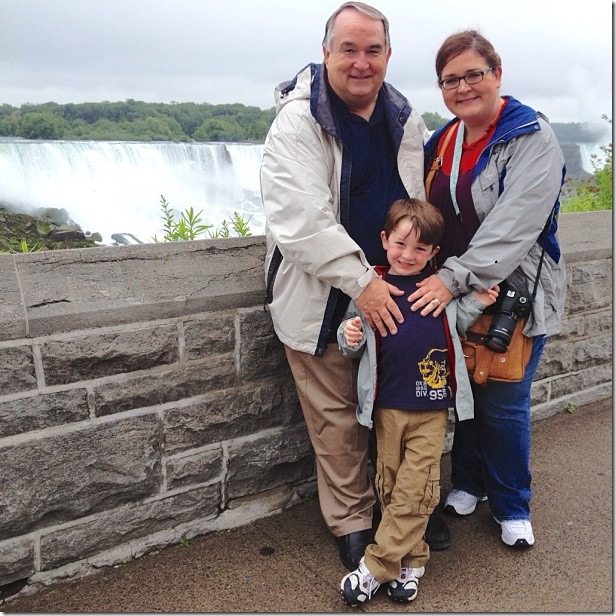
[
  {"x": 358, "y": 586},
  {"x": 517, "y": 533},
  {"x": 460, "y": 502},
  {"x": 404, "y": 587}
]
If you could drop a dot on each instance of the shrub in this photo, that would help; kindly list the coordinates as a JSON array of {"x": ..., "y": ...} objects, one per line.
[
  {"x": 595, "y": 193},
  {"x": 190, "y": 225}
]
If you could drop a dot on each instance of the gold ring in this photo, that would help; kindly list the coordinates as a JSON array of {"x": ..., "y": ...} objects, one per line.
[{"x": 437, "y": 300}]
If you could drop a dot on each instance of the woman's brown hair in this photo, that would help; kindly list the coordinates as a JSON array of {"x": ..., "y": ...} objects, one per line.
[{"x": 460, "y": 42}]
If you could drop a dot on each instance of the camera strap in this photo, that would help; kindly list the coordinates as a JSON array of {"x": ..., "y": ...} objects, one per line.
[
  {"x": 534, "y": 293},
  {"x": 455, "y": 167}
]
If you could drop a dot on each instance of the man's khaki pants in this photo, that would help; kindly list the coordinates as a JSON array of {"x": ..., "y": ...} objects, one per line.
[
  {"x": 409, "y": 446},
  {"x": 327, "y": 391}
]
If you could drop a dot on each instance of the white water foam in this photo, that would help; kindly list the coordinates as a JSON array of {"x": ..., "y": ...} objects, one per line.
[
  {"x": 115, "y": 187},
  {"x": 590, "y": 150}
]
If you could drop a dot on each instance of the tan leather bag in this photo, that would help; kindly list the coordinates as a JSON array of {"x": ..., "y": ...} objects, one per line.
[{"x": 484, "y": 364}]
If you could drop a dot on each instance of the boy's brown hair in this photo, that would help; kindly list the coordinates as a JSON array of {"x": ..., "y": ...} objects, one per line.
[{"x": 426, "y": 219}]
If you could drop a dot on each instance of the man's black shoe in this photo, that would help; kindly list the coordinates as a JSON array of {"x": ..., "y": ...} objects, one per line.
[
  {"x": 377, "y": 515},
  {"x": 352, "y": 547},
  {"x": 437, "y": 534}
]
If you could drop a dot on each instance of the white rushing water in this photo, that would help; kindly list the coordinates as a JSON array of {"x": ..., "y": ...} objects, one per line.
[
  {"x": 590, "y": 150},
  {"x": 115, "y": 187}
]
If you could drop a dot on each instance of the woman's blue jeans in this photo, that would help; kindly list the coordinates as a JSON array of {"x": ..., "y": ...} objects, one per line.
[{"x": 491, "y": 453}]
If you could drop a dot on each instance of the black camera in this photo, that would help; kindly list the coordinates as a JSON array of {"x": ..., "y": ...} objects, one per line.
[{"x": 510, "y": 306}]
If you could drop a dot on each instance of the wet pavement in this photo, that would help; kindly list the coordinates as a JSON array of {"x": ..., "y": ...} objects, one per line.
[{"x": 289, "y": 562}]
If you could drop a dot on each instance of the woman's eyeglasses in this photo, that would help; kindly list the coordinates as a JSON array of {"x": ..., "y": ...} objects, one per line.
[{"x": 451, "y": 83}]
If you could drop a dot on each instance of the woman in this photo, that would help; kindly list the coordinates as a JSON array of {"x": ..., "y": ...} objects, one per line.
[{"x": 498, "y": 188}]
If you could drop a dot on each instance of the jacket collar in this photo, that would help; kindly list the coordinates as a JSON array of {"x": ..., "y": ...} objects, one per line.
[
  {"x": 311, "y": 83},
  {"x": 516, "y": 119}
]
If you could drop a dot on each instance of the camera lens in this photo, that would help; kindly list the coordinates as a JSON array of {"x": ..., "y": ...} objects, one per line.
[
  {"x": 498, "y": 343},
  {"x": 500, "y": 332}
]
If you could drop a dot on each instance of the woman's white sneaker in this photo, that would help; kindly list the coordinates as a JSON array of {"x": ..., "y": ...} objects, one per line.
[
  {"x": 517, "y": 533},
  {"x": 460, "y": 502}
]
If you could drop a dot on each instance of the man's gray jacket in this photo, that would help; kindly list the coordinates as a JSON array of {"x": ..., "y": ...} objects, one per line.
[{"x": 310, "y": 256}]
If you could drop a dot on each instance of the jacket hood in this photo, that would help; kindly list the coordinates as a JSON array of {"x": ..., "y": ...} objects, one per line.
[
  {"x": 310, "y": 83},
  {"x": 297, "y": 88}
]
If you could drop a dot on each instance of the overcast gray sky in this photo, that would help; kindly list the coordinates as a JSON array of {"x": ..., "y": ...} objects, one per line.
[{"x": 557, "y": 56}]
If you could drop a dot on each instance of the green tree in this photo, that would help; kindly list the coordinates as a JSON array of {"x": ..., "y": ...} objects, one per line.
[
  {"x": 41, "y": 125},
  {"x": 104, "y": 130},
  {"x": 78, "y": 130},
  {"x": 9, "y": 124},
  {"x": 188, "y": 115},
  {"x": 155, "y": 129},
  {"x": 433, "y": 120},
  {"x": 219, "y": 129}
]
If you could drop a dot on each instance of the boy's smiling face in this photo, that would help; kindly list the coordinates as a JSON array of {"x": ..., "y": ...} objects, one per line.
[{"x": 405, "y": 253}]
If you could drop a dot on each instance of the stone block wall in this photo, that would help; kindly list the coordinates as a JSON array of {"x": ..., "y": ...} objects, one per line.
[{"x": 144, "y": 397}]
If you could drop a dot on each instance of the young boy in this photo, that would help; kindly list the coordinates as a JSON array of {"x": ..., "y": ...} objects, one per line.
[{"x": 417, "y": 371}]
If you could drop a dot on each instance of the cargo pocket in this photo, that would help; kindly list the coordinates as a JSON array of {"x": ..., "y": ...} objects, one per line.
[
  {"x": 379, "y": 483},
  {"x": 432, "y": 492}
]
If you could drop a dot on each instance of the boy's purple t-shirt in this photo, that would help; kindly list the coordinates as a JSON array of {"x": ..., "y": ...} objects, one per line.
[{"x": 413, "y": 365}]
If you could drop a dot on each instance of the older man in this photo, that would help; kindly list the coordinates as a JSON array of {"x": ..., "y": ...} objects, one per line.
[{"x": 343, "y": 146}]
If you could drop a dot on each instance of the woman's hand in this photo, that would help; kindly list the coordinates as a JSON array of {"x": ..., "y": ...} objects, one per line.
[{"x": 431, "y": 296}]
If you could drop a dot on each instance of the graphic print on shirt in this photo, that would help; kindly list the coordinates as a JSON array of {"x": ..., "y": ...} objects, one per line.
[
  {"x": 434, "y": 371},
  {"x": 414, "y": 365}
]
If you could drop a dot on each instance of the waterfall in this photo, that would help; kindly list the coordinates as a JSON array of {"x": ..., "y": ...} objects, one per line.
[
  {"x": 115, "y": 187},
  {"x": 587, "y": 151}
]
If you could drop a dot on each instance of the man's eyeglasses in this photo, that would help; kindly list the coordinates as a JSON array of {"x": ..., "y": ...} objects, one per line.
[{"x": 451, "y": 83}]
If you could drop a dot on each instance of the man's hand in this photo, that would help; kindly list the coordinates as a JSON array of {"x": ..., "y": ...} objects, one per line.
[
  {"x": 379, "y": 308},
  {"x": 431, "y": 295}
]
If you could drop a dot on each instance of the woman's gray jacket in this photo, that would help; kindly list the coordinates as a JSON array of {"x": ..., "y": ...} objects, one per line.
[
  {"x": 461, "y": 314},
  {"x": 515, "y": 188}
]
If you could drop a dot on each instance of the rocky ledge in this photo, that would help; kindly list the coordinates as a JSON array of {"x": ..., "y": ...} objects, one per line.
[{"x": 46, "y": 229}]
